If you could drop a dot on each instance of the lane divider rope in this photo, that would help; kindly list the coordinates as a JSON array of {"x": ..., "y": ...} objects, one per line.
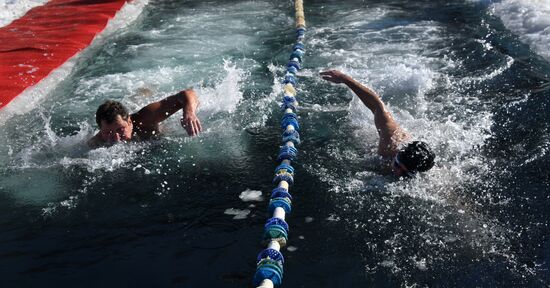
[{"x": 269, "y": 269}]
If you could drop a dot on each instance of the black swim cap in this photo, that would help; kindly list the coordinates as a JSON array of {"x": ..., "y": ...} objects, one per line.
[{"x": 417, "y": 156}]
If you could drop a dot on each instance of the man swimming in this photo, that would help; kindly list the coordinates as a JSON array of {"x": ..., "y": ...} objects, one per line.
[
  {"x": 408, "y": 157},
  {"x": 116, "y": 125}
]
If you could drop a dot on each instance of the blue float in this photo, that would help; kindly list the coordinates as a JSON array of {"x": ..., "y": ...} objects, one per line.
[
  {"x": 290, "y": 119},
  {"x": 287, "y": 153},
  {"x": 268, "y": 270},
  {"x": 294, "y": 64},
  {"x": 300, "y": 46},
  {"x": 278, "y": 222},
  {"x": 272, "y": 254},
  {"x": 290, "y": 78},
  {"x": 300, "y": 33},
  {"x": 291, "y": 136},
  {"x": 291, "y": 69},
  {"x": 287, "y": 177},
  {"x": 297, "y": 54},
  {"x": 280, "y": 192},
  {"x": 289, "y": 102},
  {"x": 284, "y": 168},
  {"x": 284, "y": 203},
  {"x": 270, "y": 260}
]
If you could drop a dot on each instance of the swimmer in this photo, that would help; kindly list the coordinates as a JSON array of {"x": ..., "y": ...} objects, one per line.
[
  {"x": 116, "y": 125},
  {"x": 408, "y": 157}
]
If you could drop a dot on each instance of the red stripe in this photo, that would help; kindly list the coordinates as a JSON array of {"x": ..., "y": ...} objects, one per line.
[{"x": 32, "y": 46}]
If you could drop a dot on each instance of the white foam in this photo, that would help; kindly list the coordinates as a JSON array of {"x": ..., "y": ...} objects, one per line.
[
  {"x": 13, "y": 9},
  {"x": 226, "y": 94},
  {"x": 72, "y": 150},
  {"x": 39, "y": 155},
  {"x": 541, "y": 151},
  {"x": 529, "y": 19},
  {"x": 105, "y": 158},
  {"x": 251, "y": 195},
  {"x": 259, "y": 119},
  {"x": 34, "y": 95},
  {"x": 237, "y": 213},
  {"x": 291, "y": 248}
]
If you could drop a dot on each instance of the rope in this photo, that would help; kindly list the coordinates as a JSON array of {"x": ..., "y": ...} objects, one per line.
[{"x": 269, "y": 269}]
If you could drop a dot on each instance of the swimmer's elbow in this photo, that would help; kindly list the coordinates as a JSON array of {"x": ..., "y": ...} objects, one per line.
[{"x": 92, "y": 143}]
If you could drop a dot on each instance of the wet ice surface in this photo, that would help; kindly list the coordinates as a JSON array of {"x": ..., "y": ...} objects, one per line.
[
  {"x": 13, "y": 9},
  {"x": 452, "y": 76}
]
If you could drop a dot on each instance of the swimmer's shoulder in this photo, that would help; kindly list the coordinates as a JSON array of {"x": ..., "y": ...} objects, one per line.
[
  {"x": 95, "y": 142},
  {"x": 144, "y": 131}
]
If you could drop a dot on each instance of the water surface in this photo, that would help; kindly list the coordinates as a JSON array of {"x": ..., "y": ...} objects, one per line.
[{"x": 156, "y": 213}]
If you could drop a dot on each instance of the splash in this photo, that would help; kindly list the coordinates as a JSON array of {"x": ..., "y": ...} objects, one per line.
[
  {"x": 529, "y": 19},
  {"x": 422, "y": 94},
  {"x": 52, "y": 151},
  {"x": 226, "y": 94},
  {"x": 259, "y": 109}
]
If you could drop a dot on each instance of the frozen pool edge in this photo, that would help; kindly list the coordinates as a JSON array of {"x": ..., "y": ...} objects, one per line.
[{"x": 34, "y": 95}]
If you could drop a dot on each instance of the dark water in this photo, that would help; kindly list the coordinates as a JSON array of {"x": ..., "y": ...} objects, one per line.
[{"x": 153, "y": 214}]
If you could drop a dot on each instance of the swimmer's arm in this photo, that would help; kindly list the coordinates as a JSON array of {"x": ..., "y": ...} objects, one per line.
[
  {"x": 94, "y": 142},
  {"x": 151, "y": 115},
  {"x": 385, "y": 124},
  {"x": 367, "y": 95}
]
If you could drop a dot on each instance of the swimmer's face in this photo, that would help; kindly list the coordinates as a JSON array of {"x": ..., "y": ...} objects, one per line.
[
  {"x": 117, "y": 131},
  {"x": 399, "y": 169}
]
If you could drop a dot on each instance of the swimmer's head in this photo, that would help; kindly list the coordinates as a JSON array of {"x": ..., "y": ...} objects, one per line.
[
  {"x": 114, "y": 122},
  {"x": 417, "y": 156}
]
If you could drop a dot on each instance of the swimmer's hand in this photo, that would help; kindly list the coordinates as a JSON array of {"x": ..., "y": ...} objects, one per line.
[
  {"x": 333, "y": 76},
  {"x": 191, "y": 124}
]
